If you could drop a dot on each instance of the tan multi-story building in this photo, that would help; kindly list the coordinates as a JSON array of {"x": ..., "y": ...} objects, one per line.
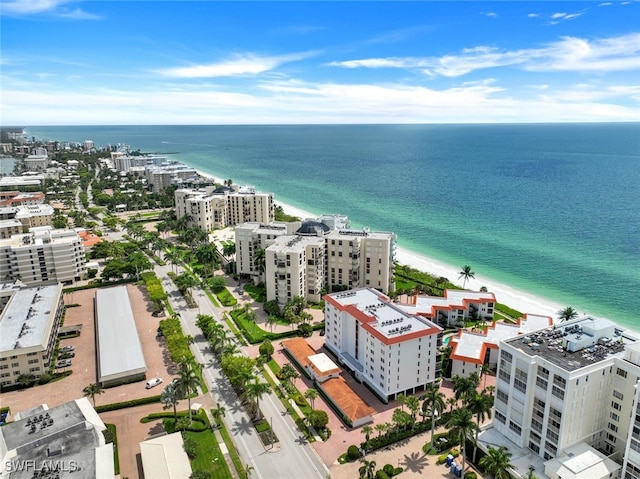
[
  {"x": 43, "y": 255},
  {"x": 360, "y": 258},
  {"x": 332, "y": 259},
  {"x": 251, "y": 237},
  {"x": 211, "y": 208},
  {"x": 296, "y": 268},
  {"x": 29, "y": 322},
  {"x": 159, "y": 178}
]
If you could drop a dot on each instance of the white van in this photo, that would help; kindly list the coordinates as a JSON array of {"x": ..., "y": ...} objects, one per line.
[{"x": 153, "y": 382}]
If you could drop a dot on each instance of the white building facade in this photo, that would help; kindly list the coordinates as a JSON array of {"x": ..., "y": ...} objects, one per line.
[
  {"x": 295, "y": 268},
  {"x": 43, "y": 255},
  {"x": 29, "y": 321},
  {"x": 568, "y": 392},
  {"x": 390, "y": 350}
]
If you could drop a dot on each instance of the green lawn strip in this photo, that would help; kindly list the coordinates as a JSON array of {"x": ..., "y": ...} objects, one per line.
[
  {"x": 257, "y": 293},
  {"x": 208, "y": 457},
  {"x": 235, "y": 458},
  {"x": 236, "y": 332},
  {"x": 507, "y": 311},
  {"x": 226, "y": 298},
  {"x": 116, "y": 459},
  {"x": 211, "y": 297}
]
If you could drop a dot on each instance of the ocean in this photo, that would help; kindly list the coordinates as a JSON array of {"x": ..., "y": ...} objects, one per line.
[{"x": 549, "y": 209}]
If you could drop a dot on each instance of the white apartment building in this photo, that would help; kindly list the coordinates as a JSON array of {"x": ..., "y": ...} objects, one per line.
[
  {"x": 36, "y": 162},
  {"x": 296, "y": 268},
  {"x": 251, "y": 237},
  {"x": 454, "y": 307},
  {"x": 17, "y": 198},
  {"x": 390, "y": 350},
  {"x": 211, "y": 208},
  {"x": 43, "y": 255},
  {"x": 159, "y": 178},
  {"x": 567, "y": 401},
  {"x": 29, "y": 322},
  {"x": 472, "y": 349}
]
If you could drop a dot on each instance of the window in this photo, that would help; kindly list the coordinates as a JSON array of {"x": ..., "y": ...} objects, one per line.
[
  {"x": 515, "y": 427},
  {"x": 618, "y": 395},
  {"x": 621, "y": 372}
]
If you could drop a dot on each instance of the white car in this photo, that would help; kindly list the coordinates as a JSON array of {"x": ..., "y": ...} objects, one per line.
[{"x": 151, "y": 383}]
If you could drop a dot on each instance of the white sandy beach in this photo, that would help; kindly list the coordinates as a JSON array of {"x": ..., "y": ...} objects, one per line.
[{"x": 519, "y": 300}]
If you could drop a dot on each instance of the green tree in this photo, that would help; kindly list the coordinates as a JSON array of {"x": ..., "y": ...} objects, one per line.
[
  {"x": 271, "y": 321},
  {"x": 238, "y": 369},
  {"x": 368, "y": 469},
  {"x": 497, "y": 462},
  {"x": 462, "y": 429},
  {"x": 174, "y": 257},
  {"x": 401, "y": 419},
  {"x": 433, "y": 403},
  {"x": 413, "y": 404},
  {"x": 188, "y": 382},
  {"x": 464, "y": 388},
  {"x": 318, "y": 419},
  {"x": 170, "y": 398},
  {"x": 217, "y": 284},
  {"x": 207, "y": 254},
  {"x": 367, "y": 429},
  {"x": 567, "y": 314},
  {"x": 92, "y": 390},
  {"x": 480, "y": 405},
  {"x": 467, "y": 274},
  {"x": 219, "y": 412},
  {"x": 266, "y": 349},
  {"x": 259, "y": 259},
  {"x": 253, "y": 391},
  {"x": 288, "y": 373},
  {"x": 311, "y": 394}
]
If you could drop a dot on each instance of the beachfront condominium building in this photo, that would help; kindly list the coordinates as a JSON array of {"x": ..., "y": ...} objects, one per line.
[
  {"x": 29, "y": 322},
  {"x": 43, "y": 255},
  {"x": 253, "y": 237},
  {"x": 454, "y": 307},
  {"x": 471, "y": 349},
  {"x": 351, "y": 258},
  {"x": 211, "y": 208},
  {"x": 360, "y": 258},
  {"x": 296, "y": 268},
  {"x": 159, "y": 178},
  {"x": 566, "y": 401},
  {"x": 390, "y": 350}
]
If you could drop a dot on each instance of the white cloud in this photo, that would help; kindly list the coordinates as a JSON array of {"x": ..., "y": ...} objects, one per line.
[
  {"x": 51, "y": 7},
  {"x": 533, "y": 15},
  {"x": 240, "y": 65},
  {"x": 567, "y": 54},
  {"x": 491, "y": 14}
]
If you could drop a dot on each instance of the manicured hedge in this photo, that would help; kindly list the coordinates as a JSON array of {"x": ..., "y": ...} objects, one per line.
[
  {"x": 126, "y": 404},
  {"x": 99, "y": 284}
]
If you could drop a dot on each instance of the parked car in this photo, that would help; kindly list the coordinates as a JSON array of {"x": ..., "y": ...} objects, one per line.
[
  {"x": 66, "y": 349},
  {"x": 66, "y": 355},
  {"x": 63, "y": 363},
  {"x": 151, "y": 383}
]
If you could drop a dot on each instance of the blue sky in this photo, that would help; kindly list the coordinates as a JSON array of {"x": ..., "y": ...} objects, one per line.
[{"x": 212, "y": 62}]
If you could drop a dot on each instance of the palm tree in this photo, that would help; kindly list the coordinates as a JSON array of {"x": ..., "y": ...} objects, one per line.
[
  {"x": 452, "y": 402},
  {"x": 271, "y": 321},
  {"x": 173, "y": 256},
  {"x": 366, "y": 430},
  {"x": 463, "y": 388},
  {"x": 254, "y": 391},
  {"x": 380, "y": 429},
  {"x": 413, "y": 404},
  {"x": 219, "y": 412},
  {"x": 311, "y": 394},
  {"x": 402, "y": 400},
  {"x": 207, "y": 254},
  {"x": 467, "y": 274},
  {"x": 259, "y": 259},
  {"x": 188, "y": 382},
  {"x": 497, "y": 462},
  {"x": 462, "y": 429},
  {"x": 433, "y": 401},
  {"x": 248, "y": 470},
  {"x": 368, "y": 469},
  {"x": 480, "y": 405},
  {"x": 92, "y": 390},
  {"x": 170, "y": 397},
  {"x": 567, "y": 314}
]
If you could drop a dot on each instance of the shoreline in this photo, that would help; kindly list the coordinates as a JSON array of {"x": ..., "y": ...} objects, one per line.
[{"x": 516, "y": 299}]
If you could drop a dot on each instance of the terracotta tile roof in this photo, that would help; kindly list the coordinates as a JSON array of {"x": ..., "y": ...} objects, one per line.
[
  {"x": 89, "y": 239},
  {"x": 346, "y": 398}
]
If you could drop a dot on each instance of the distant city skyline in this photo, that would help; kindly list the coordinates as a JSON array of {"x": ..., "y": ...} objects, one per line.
[{"x": 67, "y": 62}]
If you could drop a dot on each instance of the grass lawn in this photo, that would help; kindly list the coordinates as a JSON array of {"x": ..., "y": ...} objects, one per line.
[
  {"x": 208, "y": 457},
  {"x": 226, "y": 298},
  {"x": 257, "y": 293},
  {"x": 237, "y": 462}
]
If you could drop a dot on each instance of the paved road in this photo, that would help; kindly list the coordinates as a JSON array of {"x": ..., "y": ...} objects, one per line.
[{"x": 293, "y": 457}]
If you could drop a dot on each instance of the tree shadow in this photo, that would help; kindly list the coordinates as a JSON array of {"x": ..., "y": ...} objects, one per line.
[
  {"x": 415, "y": 462},
  {"x": 244, "y": 427},
  {"x": 157, "y": 428}
]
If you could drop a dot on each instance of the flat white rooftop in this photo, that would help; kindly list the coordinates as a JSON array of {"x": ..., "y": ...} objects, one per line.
[
  {"x": 25, "y": 321},
  {"x": 119, "y": 350}
]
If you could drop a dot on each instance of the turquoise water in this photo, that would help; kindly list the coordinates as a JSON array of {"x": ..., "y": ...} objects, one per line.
[{"x": 549, "y": 209}]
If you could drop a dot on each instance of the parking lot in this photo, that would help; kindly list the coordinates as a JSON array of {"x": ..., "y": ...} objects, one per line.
[{"x": 84, "y": 363}]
